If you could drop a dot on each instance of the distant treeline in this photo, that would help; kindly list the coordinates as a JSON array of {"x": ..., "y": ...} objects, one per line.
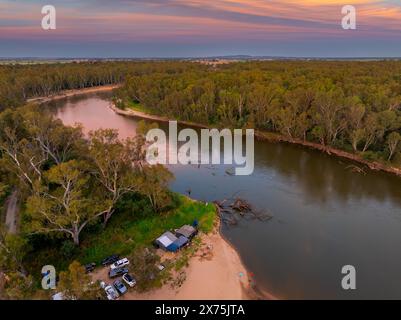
[
  {"x": 349, "y": 105},
  {"x": 20, "y": 82}
]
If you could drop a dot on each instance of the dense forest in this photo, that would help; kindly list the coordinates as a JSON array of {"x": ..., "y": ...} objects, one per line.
[
  {"x": 69, "y": 184},
  {"x": 349, "y": 105},
  {"x": 19, "y": 82}
]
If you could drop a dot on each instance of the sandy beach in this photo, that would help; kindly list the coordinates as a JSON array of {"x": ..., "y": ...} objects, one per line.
[
  {"x": 70, "y": 93},
  {"x": 148, "y": 116},
  {"x": 219, "y": 275}
]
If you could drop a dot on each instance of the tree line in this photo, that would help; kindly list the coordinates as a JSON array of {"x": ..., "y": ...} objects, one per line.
[
  {"x": 67, "y": 182},
  {"x": 20, "y": 82},
  {"x": 349, "y": 105}
]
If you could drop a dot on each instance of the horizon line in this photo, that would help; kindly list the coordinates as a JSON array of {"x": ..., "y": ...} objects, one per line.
[{"x": 233, "y": 56}]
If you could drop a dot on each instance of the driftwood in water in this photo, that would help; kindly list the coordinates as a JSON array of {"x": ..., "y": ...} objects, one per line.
[
  {"x": 356, "y": 169},
  {"x": 226, "y": 219},
  {"x": 230, "y": 171},
  {"x": 231, "y": 211},
  {"x": 241, "y": 206}
]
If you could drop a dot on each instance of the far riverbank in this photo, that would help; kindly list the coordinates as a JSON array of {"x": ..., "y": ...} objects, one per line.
[
  {"x": 70, "y": 93},
  {"x": 274, "y": 137},
  {"x": 263, "y": 135}
]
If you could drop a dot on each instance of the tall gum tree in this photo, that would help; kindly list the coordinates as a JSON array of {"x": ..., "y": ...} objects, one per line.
[
  {"x": 67, "y": 202},
  {"x": 116, "y": 165}
]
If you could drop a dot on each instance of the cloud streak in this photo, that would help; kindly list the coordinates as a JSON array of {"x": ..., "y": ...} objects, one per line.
[{"x": 196, "y": 21}]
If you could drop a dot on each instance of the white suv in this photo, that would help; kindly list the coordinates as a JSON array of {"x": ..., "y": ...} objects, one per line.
[
  {"x": 120, "y": 263},
  {"x": 130, "y": 280},
  {"x": 111, "y": 292}
]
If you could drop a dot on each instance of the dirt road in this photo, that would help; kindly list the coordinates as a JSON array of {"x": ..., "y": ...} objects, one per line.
[{"x": 12, "y": 212}]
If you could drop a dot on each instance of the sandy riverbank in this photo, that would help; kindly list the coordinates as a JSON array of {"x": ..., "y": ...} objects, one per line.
[
  {"x": 221, "y": 276},
  {"x": 217, "y": 275},
  {"x": 268, "y": 136},
  {"x": 275, "y": 137},
  {"x": 75, "y": 92},
  {"x": 148, "y": 116}
]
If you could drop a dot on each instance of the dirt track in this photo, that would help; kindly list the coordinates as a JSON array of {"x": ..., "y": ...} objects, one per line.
[{"x": 12, "y": 212}]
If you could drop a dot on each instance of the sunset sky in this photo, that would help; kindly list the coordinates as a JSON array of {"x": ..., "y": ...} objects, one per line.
[{"x": 178, "y": 28}]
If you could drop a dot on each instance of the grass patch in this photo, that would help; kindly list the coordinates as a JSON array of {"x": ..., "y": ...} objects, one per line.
[
  {"x": 136, "y": 106},
  {"x": 187, "y": 254},
  {"x": 127, "y": 230},
  {"x": 125, "y": 233}
]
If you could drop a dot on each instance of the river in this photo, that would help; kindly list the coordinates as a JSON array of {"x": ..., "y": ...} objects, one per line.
[{"x": 324, "y": 215}]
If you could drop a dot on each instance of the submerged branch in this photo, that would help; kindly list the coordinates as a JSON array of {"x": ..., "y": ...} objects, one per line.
[{"x": 232, "y": 211}]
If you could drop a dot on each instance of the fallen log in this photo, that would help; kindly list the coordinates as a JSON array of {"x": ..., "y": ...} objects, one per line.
[{"x": 231, "y": 213}]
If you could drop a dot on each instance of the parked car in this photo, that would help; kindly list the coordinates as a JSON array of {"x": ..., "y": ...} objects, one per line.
[
  {"x": 90, "y": 267},
  {"x": 120, "y": 287},
  {"x": 161, "y": 267},
  {"x": 111, "y": 292},
  {"x": 130, "y": 280},
  {"x": 58, "y": 296},
  {"x": 117, "y": 272},
  {"x": 120, "y": 263},
  {"x": 109, "y": 260},
  {"x": 155, "y": 244}
]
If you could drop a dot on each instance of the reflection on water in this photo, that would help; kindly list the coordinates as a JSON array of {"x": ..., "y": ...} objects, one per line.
[{"x": 325, "y": 216}]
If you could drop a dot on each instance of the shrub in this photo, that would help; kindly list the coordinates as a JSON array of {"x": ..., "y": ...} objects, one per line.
[
  {"x": 144, "y": 268},
  {"x": 68, "y": 249},
  {"x": 371, "y": 156}
]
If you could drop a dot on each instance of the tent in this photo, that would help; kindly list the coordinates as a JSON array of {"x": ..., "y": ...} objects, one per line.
[
  {"x": 172, "y": 247},
  {"x": 178, "y": 244},
  {"x": 165, "y": 240},
  {"x": 181, "y": 241},
  {"x": 187, "y": 231}
]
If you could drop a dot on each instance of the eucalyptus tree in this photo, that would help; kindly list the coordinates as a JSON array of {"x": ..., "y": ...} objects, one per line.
[
  {"x": 20, "y": 155},
  {"x": 66, "y": 201},
  {"x": 393, "y": 141},
  {"x": 154, "y": 185},
  {"x": 55, "y": 140},
  {"x": 76, "y": 284},
  {"x": 116, "y": 165}
]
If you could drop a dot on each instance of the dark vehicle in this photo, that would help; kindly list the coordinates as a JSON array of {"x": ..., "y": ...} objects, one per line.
[
  {"x": 155, "y": 244},
  {"x": 117, "y": 272},
  {"x": 120, "y": 287},
  {"x": 109, "y": 260},
  {"x": 90, "y": 267}
]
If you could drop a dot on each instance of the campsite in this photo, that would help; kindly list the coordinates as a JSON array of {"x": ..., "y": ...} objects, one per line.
[{"x": 169, "y": 241}]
